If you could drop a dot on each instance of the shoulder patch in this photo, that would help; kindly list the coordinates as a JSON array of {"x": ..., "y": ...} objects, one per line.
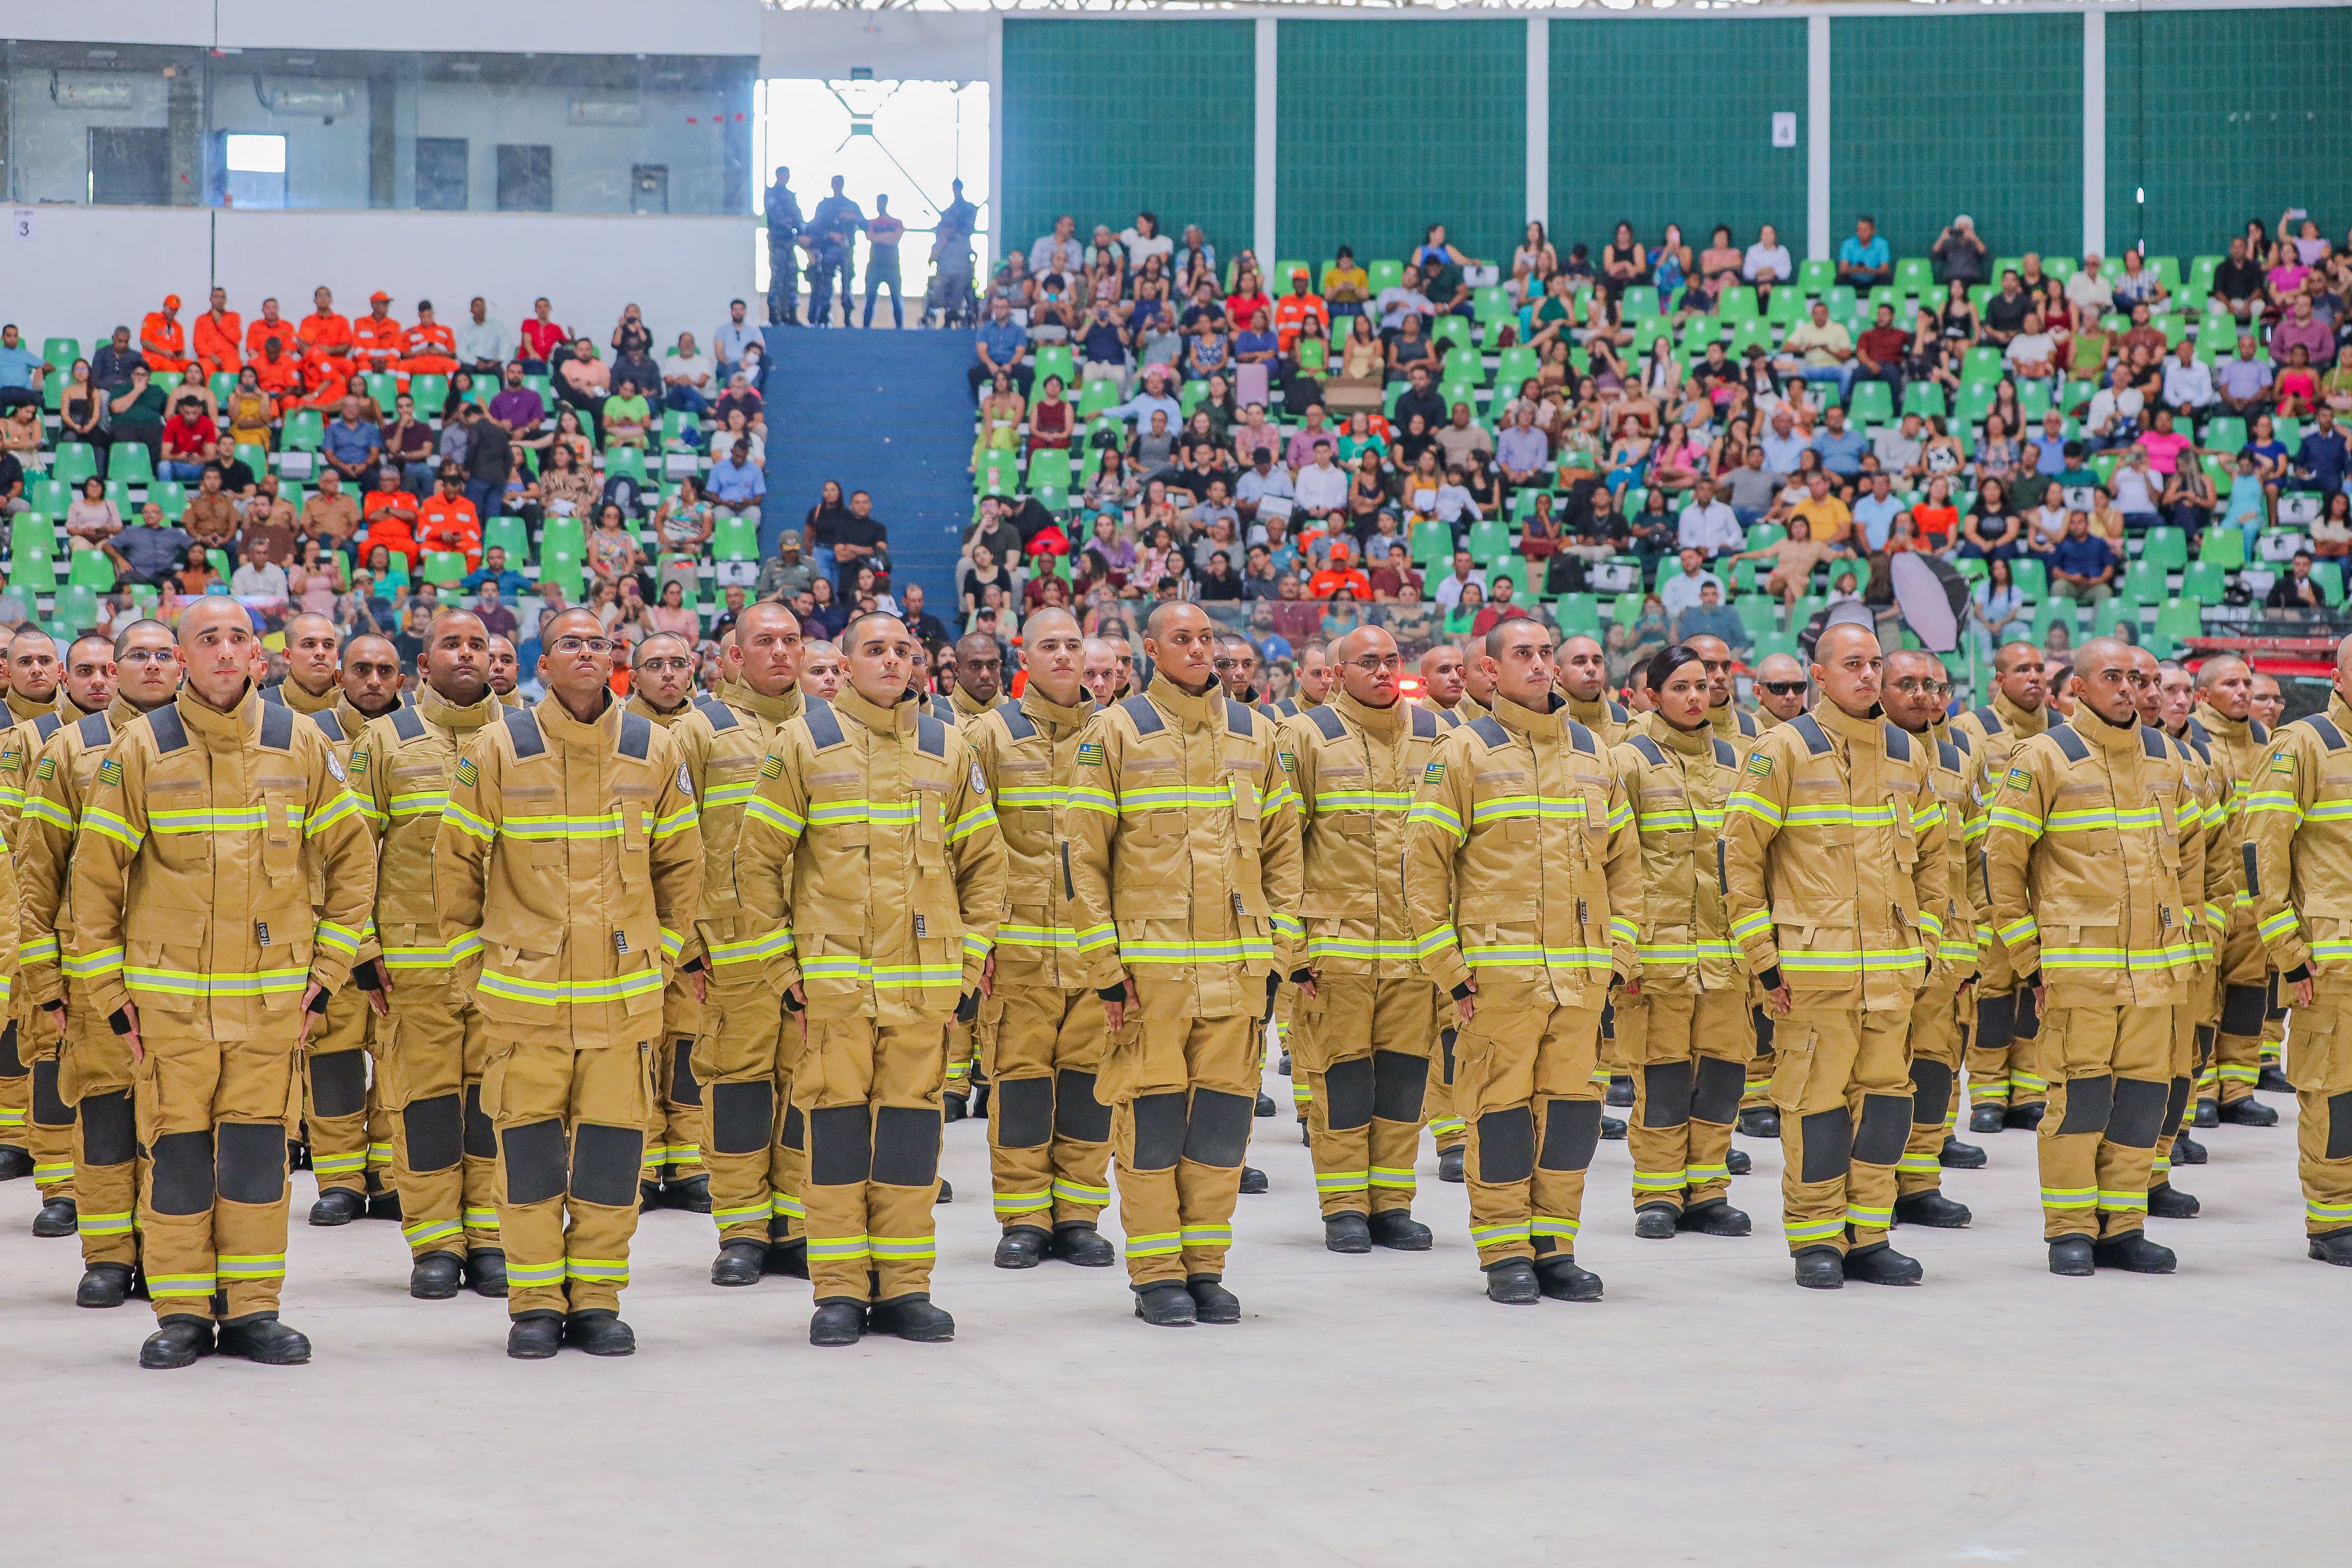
[
  {"x": 9, "y": 760},
  {"x": 685, "y": 780},
  {"x": 930, "y": 736},
  {"x": 1090, "y": 753},
  {"x": 772, "y": 766},
  {"x": 110, "y": 772},
  {"x": 47, "y": 768},
  {"x": 278, "y": 728},
  {"x": 1141, "y": 714},
  {"x": 359, "y": 762},
  {"x": 336, "y": 768},
  {"x": 1433, "y": 775},
  {"x": 2283, "y": 762},
  {"x": 1761, "y": 765},
  {"x": 1239, "y": 719},
  {"x": 978, "y": 782},
  {"x": 823, "y": 724},
  {"x": 636, "y": 737},
  {"x": 1289, "y": 760},
  {"x": 1017, "y": 724},
  {"x": 467, "y": 773},
  {"x": 2018, "y": 779}
]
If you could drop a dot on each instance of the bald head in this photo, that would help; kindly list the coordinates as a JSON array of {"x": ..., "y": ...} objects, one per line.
[
  {"x": 2225, "y": 683},
  {"x": 210, "y": 614},
  {"x": 1583, "y": 670},
  {"x": 1779, "y": 670},
  {"x": 980, "y": 668},
  {"x": 1369, "y": 665}
]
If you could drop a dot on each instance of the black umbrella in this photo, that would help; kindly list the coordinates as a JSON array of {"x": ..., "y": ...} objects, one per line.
[{"x": 1931, "y": 594}]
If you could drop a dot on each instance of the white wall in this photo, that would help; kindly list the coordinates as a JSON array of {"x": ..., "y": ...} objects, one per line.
[
  {"x": 571, "y": 26},
  {"x": 927, "y": 46},
  {"x": 85, "y": 270}
]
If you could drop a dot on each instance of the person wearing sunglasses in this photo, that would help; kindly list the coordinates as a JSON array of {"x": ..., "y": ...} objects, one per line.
[{"x": 1782, "y": 689}]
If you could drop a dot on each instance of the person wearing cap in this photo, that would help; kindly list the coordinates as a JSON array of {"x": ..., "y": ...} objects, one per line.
[
  {"x": 1337, "y": 574},
  {"x": 163, "y": 339},
  {"x": 786, "y": 572},
  {"x": 1301, "y": 310},
  {"x": 325, "y": 337},
  {"x": 428, "y": 348},
  {"x": 377, "y": 339}
]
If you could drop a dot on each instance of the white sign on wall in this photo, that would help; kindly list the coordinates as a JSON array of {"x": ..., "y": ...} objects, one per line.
[
  {"x": 20, "y": 223},
  {"x": 1784, "y": 128}
]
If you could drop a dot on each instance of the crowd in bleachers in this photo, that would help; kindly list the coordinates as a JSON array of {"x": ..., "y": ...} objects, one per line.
[
  {"x": 1660, "y": 438},
  {"x": 369, "y": 469}
]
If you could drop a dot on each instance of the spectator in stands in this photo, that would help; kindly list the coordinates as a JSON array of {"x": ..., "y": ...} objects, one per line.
[
  {"x": 2296, "y": 590},
  {"x": 195, "y": 577},
  {"x": 737, "y": 485},
  {"x": 683, "y": 523},
  {"x": 91, "y": 518},
  {"x": 22, "y": 370},
  {"x": 1959, "y": 255},
  {"x": 2242, "y": 380},
  {"x": 151, "y": 550},
  {"x": 2301, "y": 328},
  {"x": 1863, "y": 262},
  {"x": 211, "y": 516},
  {"x": 1714, "y": 619},
  {"x": 352, "y": 446},
  {"x": 449, "y": 520},
  {"x": 518, "y": 409},
  {"x": 2187, "y": 383},
  {"x": 268, "y": 522},
  {"x": 1000, "y": 346},
  {"x": 2321, "y": 459},
  {"x": 567, "y": 488},
  {"x": 489, "y": 460},
  {"x": 627, "y": 415},
  {"x": 613, "y": 549}
]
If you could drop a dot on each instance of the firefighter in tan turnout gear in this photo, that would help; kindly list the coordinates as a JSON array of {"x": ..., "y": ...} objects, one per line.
[
  {"x": 1442, "y": 684},
  {"x": 2005, "y": 1089},
  {"x": 2087, "y": 834},
  {"x": 1185, "y": 861},
  {"x": 566, "y": 870},
  {"x": 32, "y": 698},
  {"x": 1041, "y": 1025},
  {"x": 1522, "y": 869},
  {"x": 2236, "y": 743},
  {"x": 193, "y": 928},
  {"x": 872, "y": 840},
  {"x": 1834, "y": 863}
]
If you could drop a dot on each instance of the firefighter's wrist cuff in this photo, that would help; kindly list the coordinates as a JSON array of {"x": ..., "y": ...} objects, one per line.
[
  {"x": 1770, "y": 977},
  {"x": 1111, "y": 993},
  {"x": 792, "y": 1002},
  {"x": 119, "y": 1020},
  {"x": 369, "y": 976},
  {"x": 2298, "y": 975},
  {"x": 1302, "y": 977},
  {"x": 318, "y": 1002},
  {"x": 967, "y": 1007},
  {"x": 2032, "y": 981},
  {"x": 1461, "y": 993},
  {"x": 692, "y": 965}
]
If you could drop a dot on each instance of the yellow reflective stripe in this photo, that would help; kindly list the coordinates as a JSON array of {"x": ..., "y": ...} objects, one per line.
[
  {"x": 1159, "y": 1244},
  {"x": 1363, "y": 800},
  {"x": 1534, "y": 952},
  {"x": 614, "y": 1270},
  {"x": 2023, "y": 821},
  {"x": 560, "y": 993},
  {"x": 1510, "y": 808},
  {"x": 2279, "y": 924},
  {"x": 41, "y": 808},
  {"x": 676, "y": 822},
  {"x": 1442, "y": 817},
  {"x": 228, "y": 819},
  {"x": 760, "y": 808},
  {"x": 89, "y": 1223},
  {"x": 773, "y": 944},
  {"x": 2116, "y": 957},
  {"x": 1755, "y": 805},
  {"x": 714, "y": 796},
  {"x": 1239, "y": 951},
  {"x": 1321, "y": 946},
  {"x": 1201, "y": 797},
  {"x": 1081, "y": 798},
  {"x": 526, "y": 1276},
  {"x": 465, "y": 821},
  {"x": 38, "y": 949},
  {"x": 1070, "y": 1191},
  {"x": 884, "y": 976},
  {"x": 544, "y": 829},
  {"x": 99, "y": 820},
  {"x": 1022, "y": 1202},
  {"x": 219, "y": 984},
  {"x": 345, "y": 803},
  {"x": 247, "y": 1266},
  {"x": 970, "y": 821},
  {"x": 1842, "y": 959},
  {"x": 342, "y": 939},
  {"x": 420, "y": 803}
]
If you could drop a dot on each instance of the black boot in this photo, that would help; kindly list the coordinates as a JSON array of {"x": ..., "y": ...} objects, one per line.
[
  {"x": 738, "y": 1263},
  {"x": 1820, "y": 1269},
  {"x": 262, "y": 1339},
  {"x": 1397, "y": 1230},
  {"x": 2187, "y": 1151},
  {"x": 1084, "y": 1246},
  {"x": 1305, "y": 1137},
  {"x": 2335, "y": 1247},
  {"x": 1759, "y": 1121},
  {"x": 177, "y": 1341},
  {"x": 1620, "y": 1092},
  {"x": 1655, "y": 1222},
  {"x": 1612, "y": 1129},
  {"x": 2027, "y": 1117},
  {"x": 692, "y": 1195},
  {"x": 1211, "y": 1302},
  {"x": 1987, "y": 1118},
  {"x": 56, "y": 1219},
  {"x": 838, "y": 1323},
  {"x": 1956, "y": 1155},
  {"x": 1347, "y": 1231},
  {"x": 2073, "y": 1256},
  {"x": 946, "y": 1192},
  {"x": 1264, "y": 1106},
  {"x": 1023, "y": 1247},
  {"x": 106, "y": 1285},
  {"x": 384, "y": 1206},
  {"x": 297, "y": 1154},
  {"x": 953, "y": 1108},
  {"x": 1513, "y": 1282},
  {"x": 1717, "y": 1218},
  {"x": 2249, "y": 1113},
  {"x": 913, "y": 1318},
  {"x": 1736, "y": 1161},
  {"x": 1882, "y": 1265},
  {"x": 1166, "y": 1305},
  {"x": 535, "y": 1336},
  {"x": 2134, "y": 1252},
  {"x": 789, "y": 1258},
  {"x": 599, "y": 1333},
  {"x": 2166, "y": 1201},
  {"x": 15, "y": 1163},
  {"x": 1449, "y": 1163},
  {"x": 1932, "y": 1209},
  {"x": 979, "y": 1099},
  {"x": 435, "y": 1277},
  {"x": 1560, "y": 1278},
  {"x": 1253, "y": 1180},
  {"x": 337, "y": 1206},
  {"x": 2208, "y": 1114},
  {"x": 485, "y": 1272},
  {"x": 649, "y": 1196},
  {"x": 1285, "y": 1064},
  {"x": 2274, "y": 1079}
]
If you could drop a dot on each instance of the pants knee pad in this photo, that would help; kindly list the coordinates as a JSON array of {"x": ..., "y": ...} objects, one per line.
[
  {"x": 1609, "y": 1020},
  {"x": 1507, "y": 1146},
  {"x": 436, "y": 1130},
  {"x": 1572, "y": 1131},
  {"x": 535, "y": 1156},
  {"x": 1160, "y": 1120},
  {"x": 49, "y": 1109},
  {"x": 1931, "y": 1093},
  {"x": 2090, "y": 1102},
  {"x": 1025, "y": 1112},
  {"x": 2029, "y": 1017},
  {"x": 252, "y": 1161},
  {"x": 1078, "y": 1116},
  {"x": 1763, "y": 1022},
  {"x": 683, "y": 1088},
  {"x": 906, "y": 1146},
  {"x": 108, "y": 1131},
  {"x": 2176, "y": 1101},
  {"x": 743, "y": 1116},
  {"x": 2138, "y": 1114},
  {"x": 1216, "y": 1133},
  {"x": 339, "y": 1083},
  {"x": 606, "y": 1163},
  {"x": 1828, "y": 1145},
  {"x": 2339, "y": 1127},
  {"x": 1885, "y": 1128},
  {"x": 1445, "y": 1038},
  {"x": 793, "y": 1136},
  {"x": 11, "y": 1064},
  {"x": 482, "y": 1133},
  {"x": 1399, "y": 1086},
  {"x": 1348, "y": 1094},
  {"x": 1996, "y": 1022},
  {"x": 2205, "y": 1039},
  {"x": 1666, "y": 1094},
  {"x": 1716, "y": 1094},
  {"x": 182, "y": 1179},
  {"x": 840, "y": 1146},
  {"x": 2242, "y": 1008}
]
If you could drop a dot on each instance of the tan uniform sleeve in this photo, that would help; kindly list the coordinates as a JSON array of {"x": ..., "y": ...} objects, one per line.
[
  {"x": 1435, "y": 833},
  {"x": 113, "y": 830},
  {"x": 1931, "y": 872},
  {"x": 1621, "y": 865},
  {"x": 692, "y": 735},
  {"x": 339, "y": 836},
  {"x": 976, "y": 850},
  {"x": 1282, "y": 859},
  {"x": 1094, "y": 822},
  {"x": 461, "y": 856},
  {"x": 44, "y": 854},
  {"x": 773, "y": 820},
  {"x": 2286, "y": 783},
  {"x": 675, "y": 849},
  {"x": 1752, "y": 820},
  {"x": 1294, "y": 757},
  {"x": 2017, "y": 815}
]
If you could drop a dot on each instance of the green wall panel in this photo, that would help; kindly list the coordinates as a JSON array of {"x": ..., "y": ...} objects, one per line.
[
  {"x": 1104, "y": 118},
  {"x": 1388, "y": 126},
  {"x": 1934, "y": 116},
  {"x": 2221, "y": 116},
  {"x": 1625, "y": 142}
]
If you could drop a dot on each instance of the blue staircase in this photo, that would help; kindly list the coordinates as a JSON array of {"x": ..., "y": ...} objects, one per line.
[{"x": 885, "y": 412}]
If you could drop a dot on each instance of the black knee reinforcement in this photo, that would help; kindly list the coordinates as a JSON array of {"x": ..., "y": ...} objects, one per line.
[
  {"x": 840, "y": 1146},
  {"x": 2090, "y": 1103},
  {"x": 2242, "y": 1008},
  {"x": 1572, "y": 1131},
  {"x": 182, "y": 1182},
  {"x": 1216, "y": 1133},
  {"x": 109, "y": 1132},
  {"x": 1399, "y": 1086},
  {"x": 2339, "y": 1127},
  {"x": 906, "y": 1146},
  {"x": 1078, "y": 1116},
  {"x": 1445, "y": 1038},
  {"x": 1025, "y": 1112},
  {"x": 1931, "y": 1093},
  {"x": 252, "y": 1161},
  {"x": 1828, "y": 1145},
  {"x": 1609, "y": 1020},
  {"x": 2027, "y": 1024},
  {"x": 535, "y": 1156},
  {"x": 482, "y": 1133},
  {"x": 2138, "y": 1114},
  {"x": 1716, "y": 1096},
  {"x": 2176, "y": 1101},
  {"x": 793, "y": 1134},
  {"x": 339, "y": 1083},
  {"x": 1885, "y": 1128},
  {"x": 1763, "y": 1022},
  {"x": 1996, "y": 1022},
  {"x": 606, "y": 1163},
  {"x": 1666, "y": 1094},
  {"x": 49, "y": 1109},
  {"x": 11, "y": 1064},
  {"x": 2205, "y": 1039},
  {"x": 1506, "y": 1145},
  {"x": 1348, "y": 1094},
  {"x": 436, "y": 1130},
  {"x": 1159, "y": 1131},
  {"x": 683, "y": 1088},
  {"x": 741, "y": 1116}
]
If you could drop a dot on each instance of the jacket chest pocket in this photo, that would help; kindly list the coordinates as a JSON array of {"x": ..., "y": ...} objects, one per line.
[
  {"x": 1905, "y": 836},
  {"x": 931, "y": 831},
  {"x": 2168, "y": 838},
  {"x": 1246, "y": 824},
  {"x": 634, "y": 868},
  {"x": 281, "y": 836},
  {"x": 1596, "y": 820}
]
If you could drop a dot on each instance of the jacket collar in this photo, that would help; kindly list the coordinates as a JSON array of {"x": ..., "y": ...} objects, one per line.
[
  {"x": 774, "y": 709},
  {"x": 2234, "y": 731},
  {"x": 436, "y": 709},
  {"x": 302, "y": 701},
  {"x": 1698, "y": 743},
  {"x": 1592, "y": 715},
  {"x": 219, "y": 729},
  {"x": 1205, "y": 712},
  {"x": 2017, "y": 718},
  {"x": 1528, "y": 721},
  {"x": 23, "y": 707},
  {"x": 887, "y": 721},
  {"x": 120, "y": 712},
  {"x": 1382, "y": 722},
  {"x": 352, "y": 720},
  {"x": 556, "y": 719},
  {"x": 642, "y": 707},
  {"x": 1056, "y": 720},
  {"x": 2106, "y": 737},
  {"x": 1855, "y": 731},
  {"x": 965, "y": 707}
]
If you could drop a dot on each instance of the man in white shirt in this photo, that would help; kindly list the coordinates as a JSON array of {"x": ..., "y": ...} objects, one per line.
[
  {"x": 733, "y": 336},
  {"x": 1449, "y": 591},
  {"x": 2113, "y": 419},
  {"x": 2087, "y": 291},
  {"x": 1321, "y": 488},
  {"x": 1266, "y": 480},
  {"x": 1783, "y": 448},
  {"x": 686, "y": 376},
  {"x": 1766, "y": 261},
  {"x": 481, "y": 341},
  {"x": 1154, "y": 396},
  {"x": 2033, "y": 352},
  {"x": 2188, "y": 385},
  {"x": 1706, "y": 524},
  {"x": 1819, "y": 349},
  {"x": 1681, "y": 590},
  {"x": 1403, "y": 298}
]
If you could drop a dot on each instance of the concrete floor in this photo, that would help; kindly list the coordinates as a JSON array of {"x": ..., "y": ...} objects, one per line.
[{"x": 1367, "y": 1410}]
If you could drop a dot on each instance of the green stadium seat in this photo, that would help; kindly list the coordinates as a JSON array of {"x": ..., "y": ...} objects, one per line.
[
  {"x": 305, "y": 430},
  {"x": 2032, "y": 578},
  {"x": 2143, "y": 583},
  {"x": 172, "y": 496},
  {"x": 50, "y": 497},
  {"x": 628, "y": 461},
  {"x": 562, "y": 567},
  {"x": 2181, "y": 619},
  {"x": 429, "y": 391},
  {"x": 1873, "y": 402},
  {"x": 2329, "y": 575},
  {"x": 1492, "y": 304},
  {"x": 1049, "y": 467},
  {"x": 2207, "y": 581},
  {"x": 1747, "y": 335},
  {"x": 1433, "y": 543},
  {"x": 2166, "y": 549},
  {"x": 1914, "y": 275},
  {"x": 1056, "y": 358},
  {"x": 77, "y": 606},
  {"x": 1816, "y": 277},
  {"x": 1759, "y": 613},
  {"x": 1488, "y": 537},
  {"x": 1625, "y": 610},
  {"x": 1097, "y": 395},
  {"x": 2201, "y": 269},
  {"x": 221, "y": 383},
  {"x": 1738, "y": 304},
  {"x": 507, "y": 533},
  {"x": 1639, "y": 303},
  {"x": 443, "y": 567},
  {"x": 1925, "y": 398},
  {"x": 93, "y": 569},
  {"x": 2224, "y": 433},
  {"x": 253, "y": 457},
  {"x": 1770, "y": 643},
  {"x": 1514, "y": 567},
  {"x": 128, "y": 461},
  {"x": 32, "y": 566},
  {"x": 1579, "y": 614},
  {"x": 60, "y": 352},
  {"x": 567, "y": 535},
  {"x": 735, "y": 538}
]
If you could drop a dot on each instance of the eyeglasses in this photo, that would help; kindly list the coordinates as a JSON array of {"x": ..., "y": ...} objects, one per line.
[
  {"x": 145, "y": 655},
  {"x": 584, "y": 644},
  {"x": 670, "y": 665},
  {"x": 1784, "y": 687},
  {"x": 1373, "y": 665}
]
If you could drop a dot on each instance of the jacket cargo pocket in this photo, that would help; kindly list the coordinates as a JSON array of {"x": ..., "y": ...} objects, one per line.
[
  {"x": 281, "y": 836},
  {"x": 163, "y": 977},
  {"x": 1246, "y": 828},
  {"x": 635, "y": 871},
  {"x": 520, "y": 986},
  {"x": 282, "y": 975}
]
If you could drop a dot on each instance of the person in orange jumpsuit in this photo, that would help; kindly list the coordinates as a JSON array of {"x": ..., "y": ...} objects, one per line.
[
  {"x": 217, "y": 334},
  {"x": 163, "y": 339},
  {"x": 267, "y": 325},
  {"x": 325, "y": 379},
  {"x": 447, "y": 521},
  {"x": 390, "y": 514},
  {"x": 326, "y": 333},
  {"x": 432, "y": 347},
  {"x": 377, "y": 340},
  {"x": 278, "y": 372},
  {"x": 1301, "y": 310}
]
